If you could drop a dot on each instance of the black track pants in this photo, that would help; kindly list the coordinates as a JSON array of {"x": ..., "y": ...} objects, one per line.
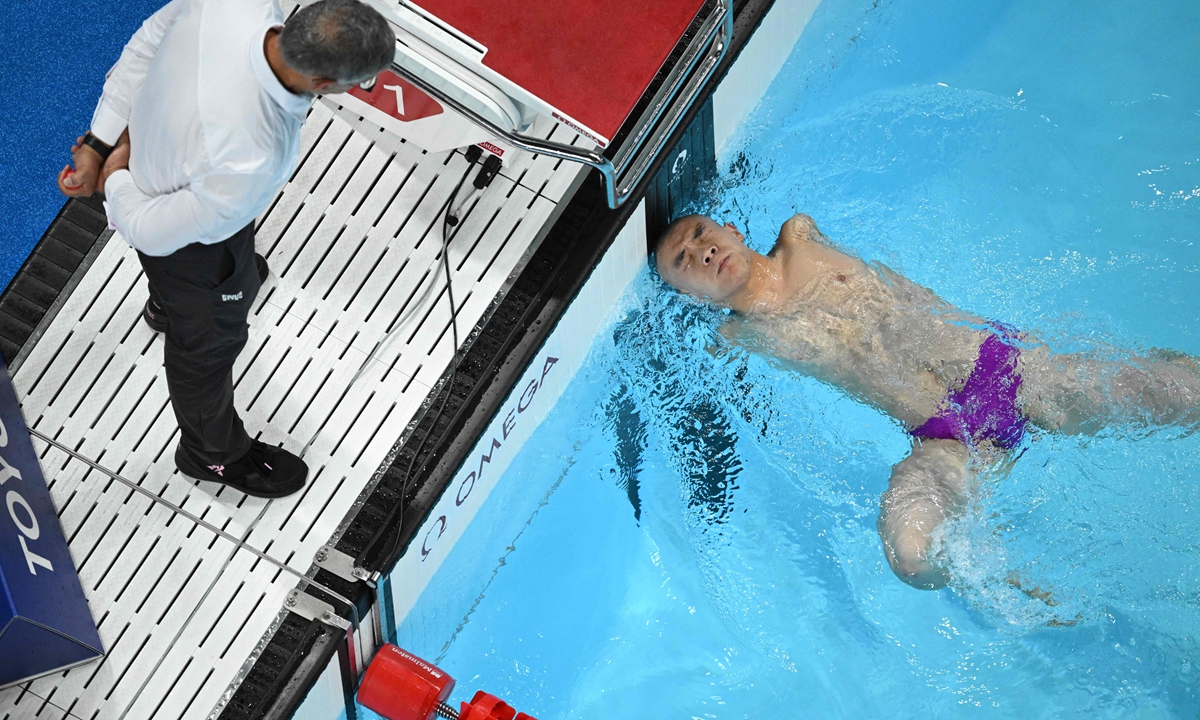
[{"x": 206, "y": 291}]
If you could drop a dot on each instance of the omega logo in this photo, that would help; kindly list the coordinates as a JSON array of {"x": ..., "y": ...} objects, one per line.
[
  {"x": 680, "y": 161},
  {"x": 26, "y": 530},
  {"x": 467, "y": 486},
  {"x": 441, "y": 528}
]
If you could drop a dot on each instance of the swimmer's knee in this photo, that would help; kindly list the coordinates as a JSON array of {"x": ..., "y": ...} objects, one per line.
[
  {"x": 909, "y": 557},
  {"x": 927, "y": 487}
]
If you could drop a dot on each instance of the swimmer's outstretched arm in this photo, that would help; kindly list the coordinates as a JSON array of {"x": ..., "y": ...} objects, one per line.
[{"x": 926, "y": 488}]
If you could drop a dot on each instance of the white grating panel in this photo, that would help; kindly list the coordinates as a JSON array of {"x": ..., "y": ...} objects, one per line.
[{"x": 353, "y": 241}]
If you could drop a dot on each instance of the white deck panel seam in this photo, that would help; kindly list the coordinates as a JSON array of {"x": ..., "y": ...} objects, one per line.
[{"x": 30, "y": 699}]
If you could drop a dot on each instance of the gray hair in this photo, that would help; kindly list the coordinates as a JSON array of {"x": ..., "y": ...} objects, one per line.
[{"x": 343, "y": 40}]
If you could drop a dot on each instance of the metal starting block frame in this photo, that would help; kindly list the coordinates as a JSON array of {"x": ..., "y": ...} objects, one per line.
[{"x": 478, "y": 104}]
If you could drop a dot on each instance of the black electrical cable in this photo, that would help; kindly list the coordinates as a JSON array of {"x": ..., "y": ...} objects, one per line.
[
  {"x": 449, "y": 220},
  {"x": 490, "y": 167}
]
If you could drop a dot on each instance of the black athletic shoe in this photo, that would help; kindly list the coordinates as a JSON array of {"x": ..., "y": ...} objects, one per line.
[
  {"x": 155, "y": 316},
  {"x": 266, "y": 471},
  {"x": 260, "y": 263}
]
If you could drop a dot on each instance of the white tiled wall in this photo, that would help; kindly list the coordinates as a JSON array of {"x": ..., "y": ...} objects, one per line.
[{"x": 755, "y": 69}]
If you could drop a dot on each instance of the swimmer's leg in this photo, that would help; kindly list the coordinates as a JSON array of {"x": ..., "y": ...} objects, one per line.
[
  {"x": 1076, "y": 394},
  {"x": 927, "y": 487}
]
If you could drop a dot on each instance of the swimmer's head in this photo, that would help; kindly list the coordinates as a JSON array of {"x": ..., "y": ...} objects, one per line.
[{"x": 698, "y": 257}]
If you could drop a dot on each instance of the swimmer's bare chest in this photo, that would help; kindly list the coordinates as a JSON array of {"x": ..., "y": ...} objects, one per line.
[{"x": 873, "y": 333}]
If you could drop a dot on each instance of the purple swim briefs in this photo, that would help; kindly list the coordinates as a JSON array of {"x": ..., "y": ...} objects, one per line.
[{"x": 985, "y": 408}]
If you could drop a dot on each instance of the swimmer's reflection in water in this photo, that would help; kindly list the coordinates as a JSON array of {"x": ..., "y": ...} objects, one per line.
[
  {"x": 966, "y": 388},
  {"x": 705, "y": 445}
]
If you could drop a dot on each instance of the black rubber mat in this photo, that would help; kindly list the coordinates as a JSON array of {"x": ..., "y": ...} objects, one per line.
[{"x": 47, "y": 273}]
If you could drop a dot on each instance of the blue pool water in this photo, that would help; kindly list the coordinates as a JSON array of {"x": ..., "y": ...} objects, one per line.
[
  {"x": 701, "y": 542},
  {"x": 53, "y": 56}
]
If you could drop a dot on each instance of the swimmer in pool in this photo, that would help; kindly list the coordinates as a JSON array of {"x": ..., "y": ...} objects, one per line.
[{"x": 959, "y": 383}]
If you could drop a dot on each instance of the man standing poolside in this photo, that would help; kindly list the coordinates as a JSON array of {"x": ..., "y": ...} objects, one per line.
[{"x": 197, "y": 129}]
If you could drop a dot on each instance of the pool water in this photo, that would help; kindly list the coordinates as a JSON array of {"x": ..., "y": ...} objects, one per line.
[
  {"x": 53, "y": 57},
  {"x": 700, "y": 542}
]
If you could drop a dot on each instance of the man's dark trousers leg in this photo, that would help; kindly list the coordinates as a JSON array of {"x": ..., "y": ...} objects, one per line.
[{"x": 206, "y": 291}]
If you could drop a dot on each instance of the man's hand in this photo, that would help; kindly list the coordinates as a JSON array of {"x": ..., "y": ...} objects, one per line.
[
  {"x": 90, "y": 171},
  {"x": 80, "y": 181},
  {"x": 118, "y": 160}
]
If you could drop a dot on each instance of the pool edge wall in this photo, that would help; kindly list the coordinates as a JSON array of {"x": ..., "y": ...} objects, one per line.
[{"x": 530, "y": 401}]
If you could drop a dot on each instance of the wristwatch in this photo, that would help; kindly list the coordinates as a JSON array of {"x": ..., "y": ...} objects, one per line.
[{"x": 102, "y": 148}]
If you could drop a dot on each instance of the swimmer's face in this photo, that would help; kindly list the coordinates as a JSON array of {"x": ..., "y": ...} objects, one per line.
[{"x": 705, "y": 260}]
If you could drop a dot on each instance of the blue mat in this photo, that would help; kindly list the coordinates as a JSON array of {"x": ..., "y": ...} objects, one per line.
[{"x": 53, "y": 56}]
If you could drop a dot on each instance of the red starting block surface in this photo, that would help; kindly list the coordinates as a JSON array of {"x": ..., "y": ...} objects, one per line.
[{"x": 592, "y": 59}]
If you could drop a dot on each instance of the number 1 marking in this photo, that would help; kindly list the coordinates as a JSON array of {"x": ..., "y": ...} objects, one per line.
[{"x": 399, "y": 96}]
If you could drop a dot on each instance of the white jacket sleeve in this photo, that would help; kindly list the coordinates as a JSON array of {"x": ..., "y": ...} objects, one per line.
[
  {"x": 159, "y": 225},
  {"x": 125, "y": 78}
]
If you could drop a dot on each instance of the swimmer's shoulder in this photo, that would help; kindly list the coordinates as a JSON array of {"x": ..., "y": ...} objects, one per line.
[
  {"x": 801, "y": 228},
  {"x": 798, "y": 235},
  {"x": 801, "y": 239}
]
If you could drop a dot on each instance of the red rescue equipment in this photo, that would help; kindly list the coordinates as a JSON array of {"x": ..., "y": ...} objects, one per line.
[
  {"x": 489, "y": 707},
  {"x": 401, "y": 686}
]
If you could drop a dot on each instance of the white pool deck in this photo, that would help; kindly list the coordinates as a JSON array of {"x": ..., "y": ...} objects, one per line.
[{"x": 352, "y": 240}]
